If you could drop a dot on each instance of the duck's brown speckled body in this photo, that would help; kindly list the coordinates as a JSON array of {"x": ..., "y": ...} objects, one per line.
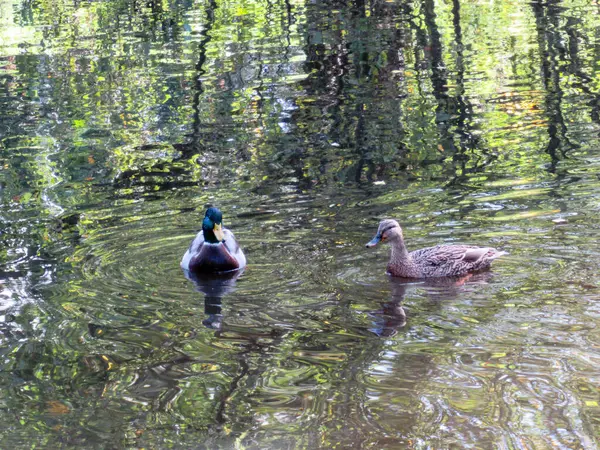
[{"x": 438, "y": 261}]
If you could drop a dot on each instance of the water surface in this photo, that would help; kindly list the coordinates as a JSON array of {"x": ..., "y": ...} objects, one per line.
[{"x": 306, "y": 123}]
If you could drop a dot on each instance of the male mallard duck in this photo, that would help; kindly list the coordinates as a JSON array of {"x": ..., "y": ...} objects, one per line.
[
  {"x": 438, "y": 261},
  {"x": 214, "y": 249}
]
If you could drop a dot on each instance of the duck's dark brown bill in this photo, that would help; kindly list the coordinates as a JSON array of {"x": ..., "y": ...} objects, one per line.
[{"x": 373, "y": 242}]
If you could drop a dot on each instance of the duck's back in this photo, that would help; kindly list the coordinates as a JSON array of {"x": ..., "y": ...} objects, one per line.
[
  {"x": 203, "y": 257},
  {"x": 452, "y": 260}
]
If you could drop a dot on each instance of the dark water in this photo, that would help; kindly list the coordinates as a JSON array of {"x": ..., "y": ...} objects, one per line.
[{"x": 306, "y": 122}]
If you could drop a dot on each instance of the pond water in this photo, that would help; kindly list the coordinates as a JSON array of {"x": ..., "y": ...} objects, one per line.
[{"x": 306, "y": 123}]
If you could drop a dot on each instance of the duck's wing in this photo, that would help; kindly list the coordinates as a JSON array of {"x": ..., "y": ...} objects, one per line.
[
  {"x": 453, "y": 260},
  {"x": 234, "y": 248},
  {"x": 472, "y": 255},
  {"x": 441, "y": 254},
  {"x": 194, "y": 249},
  {"x": 230, "y": 241},
  {"x": 205, "y": 257}
]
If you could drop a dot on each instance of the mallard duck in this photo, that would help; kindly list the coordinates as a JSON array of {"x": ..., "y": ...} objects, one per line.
[
  {"x": 438, "y": 261},
  {"x": 214, "y": 249}
]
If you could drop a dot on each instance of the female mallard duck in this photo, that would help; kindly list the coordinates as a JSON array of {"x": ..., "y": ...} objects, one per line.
[
  {"x": 214, "y": 249},
  {"x": 439, "y": 261}
]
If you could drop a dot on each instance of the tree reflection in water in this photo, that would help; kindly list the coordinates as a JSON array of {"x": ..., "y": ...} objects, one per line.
[{"x": 471, "y": 122}]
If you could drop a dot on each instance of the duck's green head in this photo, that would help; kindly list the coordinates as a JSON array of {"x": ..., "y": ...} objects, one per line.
[{"x": 212, "y": 226}]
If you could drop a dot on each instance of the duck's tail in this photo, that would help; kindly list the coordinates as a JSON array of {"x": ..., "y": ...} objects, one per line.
[{"x": 498, "y": 254}]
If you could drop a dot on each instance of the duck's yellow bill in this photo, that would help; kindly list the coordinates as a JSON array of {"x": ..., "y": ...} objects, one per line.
[{"x": 218, "y": 230}]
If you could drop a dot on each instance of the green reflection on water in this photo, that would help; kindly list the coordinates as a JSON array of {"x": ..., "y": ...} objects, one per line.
[{"x": 306, "y": 123}]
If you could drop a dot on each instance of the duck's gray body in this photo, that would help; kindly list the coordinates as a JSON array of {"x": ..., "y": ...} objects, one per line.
[
  {"x": 431, "y": 262},
  {"x": 203, "y": 257}
]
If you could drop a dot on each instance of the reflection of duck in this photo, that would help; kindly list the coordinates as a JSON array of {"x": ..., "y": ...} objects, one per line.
[
  {"x": 392, "y": 316},
  {"x": 214, "y": 288},
  {"x": 214, "y": 249},
  {"x": 388, "y": 319},
  {"x": 439, "y": 261}
]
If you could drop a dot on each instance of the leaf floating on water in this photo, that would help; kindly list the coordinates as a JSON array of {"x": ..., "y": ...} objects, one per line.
[
  {"x": 470, "y": 319},
  {"x": 591, "y": 403},
  {"x": 493, "y": 365},
  {"x": 55, "y": 407}
]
